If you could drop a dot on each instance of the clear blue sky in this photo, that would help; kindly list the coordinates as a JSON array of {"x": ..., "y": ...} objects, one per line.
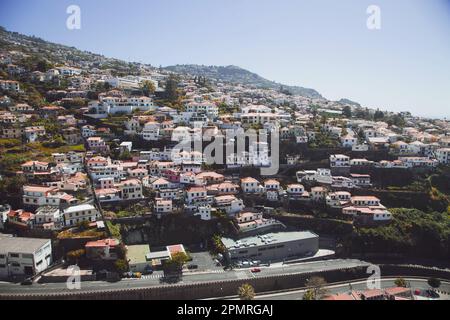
[{"x": 321, "y": 44}]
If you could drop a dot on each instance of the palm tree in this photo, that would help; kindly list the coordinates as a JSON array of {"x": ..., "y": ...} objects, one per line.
[{"x": 246, "y": 292}]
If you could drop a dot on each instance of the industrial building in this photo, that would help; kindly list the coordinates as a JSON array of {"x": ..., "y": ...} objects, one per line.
[
  {"x": 23, "y": 257},
  {"x": 273, "y": 246}
]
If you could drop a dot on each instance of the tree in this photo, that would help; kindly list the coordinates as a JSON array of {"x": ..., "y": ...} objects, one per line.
[
  {"x": 74, "y": 255},
  {"x": 309, "y": 295},
  {"x": 83, "y": 225},
  {"x": 171, "y": 92},
  {"x": 218, "y": 245},
  {"x": 317, "y": 284},
  {"x": 175, "y": 263},
  {"x": 12, "y": 185},
  {"x": 148, "y": 87},
  {"x": 43, "y": 65},
  {"x": 347, "y": 112},
  {"x": 400, "y": 282},
  {"x": 434, "y": 282},
  {"x": 121, "y": 265},
  {"x": 246, "y": 292},
  {"x": 379, "y": 115}
]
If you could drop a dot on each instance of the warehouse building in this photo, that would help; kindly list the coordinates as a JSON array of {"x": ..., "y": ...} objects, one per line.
[
  {"x": 23, "y": 257},
  {"x": 273, "y": 246}
]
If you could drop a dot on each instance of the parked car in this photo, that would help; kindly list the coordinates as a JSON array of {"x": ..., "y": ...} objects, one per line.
[
  {"x": 192, "y": 266},
  {"x": 432, "y": 294},
  {"x": 148, "y": 271}
]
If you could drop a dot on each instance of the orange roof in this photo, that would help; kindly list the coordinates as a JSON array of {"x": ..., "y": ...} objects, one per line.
[
  {"x": 175, "y": 248},
  {"x": 102, "y": 243},
  {"x": 196, "y": 189},
  {"x": 39, "y": 189},
  {"x": 340, "y": 296},
  {"x": 365, "y": 198},
  {"x": 397, "y": 290}
]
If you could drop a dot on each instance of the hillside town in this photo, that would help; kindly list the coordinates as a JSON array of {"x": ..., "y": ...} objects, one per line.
[{"x": 108, "y": 165}]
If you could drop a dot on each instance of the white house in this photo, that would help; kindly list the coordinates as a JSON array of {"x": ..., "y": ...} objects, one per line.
[
  {"x": 349, "y": 141},
  {"x": 251, "y": 185},
  {"x": 163, "y": 206},
  {"x": 229, "y": 203},
  {"x": 204, "y": 212},
  {"x": 296, "y": 191},
  {"x": 318, "y": 194},
  {"x": 338, "y": 199},
  {"x": 321, "y": 175},
  {"x": 77, "y": 214},
  {"x": 49, "y": 215},
  {"x": 88, "y": 131},
  {"x": 443, "y": 155},
  {"x": 151, "y": 131},
  {"x": 195, "y": 193},
  {"x": 130, "y": 189},
  {"x": 339, "y": 161}
]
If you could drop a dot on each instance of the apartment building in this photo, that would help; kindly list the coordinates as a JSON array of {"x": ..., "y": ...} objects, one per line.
[
  {"x": 41, "y": 196},
  {"x": 367, "y": 209}
]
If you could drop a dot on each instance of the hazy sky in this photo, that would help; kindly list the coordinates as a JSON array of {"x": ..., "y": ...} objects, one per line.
[{"x": 321, "y": 44}]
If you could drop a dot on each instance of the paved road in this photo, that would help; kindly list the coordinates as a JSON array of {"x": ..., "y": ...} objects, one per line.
[
  {"x": 361, "y": 285},
  {"x": 188, "y": 277}
]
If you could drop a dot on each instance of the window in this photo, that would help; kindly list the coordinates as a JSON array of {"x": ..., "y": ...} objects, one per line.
[{"x": 14, "y": 255}]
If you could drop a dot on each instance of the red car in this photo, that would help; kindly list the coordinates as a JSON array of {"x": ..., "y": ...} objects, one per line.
[{"x": 255, "y": 270}]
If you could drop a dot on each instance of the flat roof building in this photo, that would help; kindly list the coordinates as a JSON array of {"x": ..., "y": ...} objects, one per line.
[
  {"x": 23, "y": 257},
  {"x": 137, "y": 257},
  {"x": 273, "y": 246}
]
